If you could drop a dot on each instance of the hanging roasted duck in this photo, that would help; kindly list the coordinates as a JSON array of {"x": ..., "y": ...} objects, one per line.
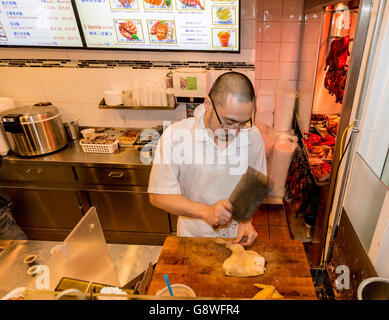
[{"x": 336, "y": 66}]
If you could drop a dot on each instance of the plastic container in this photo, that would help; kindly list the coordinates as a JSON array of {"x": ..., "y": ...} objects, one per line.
[
  {"x": 100, "y": 148},
  {"x": 179, "y": 290},
  {"x": 86, "y": 132},
  {"x": 284, "y": 107},
  {"x": 113, "y": 97}
]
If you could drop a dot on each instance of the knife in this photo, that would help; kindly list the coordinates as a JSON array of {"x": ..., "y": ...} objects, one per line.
[{"x": 248, "y": 194}]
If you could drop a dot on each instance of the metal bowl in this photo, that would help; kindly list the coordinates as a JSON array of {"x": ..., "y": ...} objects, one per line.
[{"x": 374, "y": 289}]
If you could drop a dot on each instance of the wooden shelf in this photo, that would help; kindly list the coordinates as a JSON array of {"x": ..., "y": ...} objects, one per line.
[{"x": 102, "y": 105}]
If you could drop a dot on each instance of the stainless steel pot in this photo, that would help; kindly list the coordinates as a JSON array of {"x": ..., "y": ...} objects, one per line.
[{"x": 34, "y": 130}]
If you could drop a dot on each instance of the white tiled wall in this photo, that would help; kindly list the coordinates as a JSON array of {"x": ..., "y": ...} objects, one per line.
[
  {"x": 77, "y": 92},
  {"x": 307, "y": 66},
  {"x": 278, "y": 24}
]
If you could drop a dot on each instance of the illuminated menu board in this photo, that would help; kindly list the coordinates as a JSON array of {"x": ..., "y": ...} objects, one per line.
[
  {"x": 43, "y": 23},
  {"x": 203, "y": 25}
]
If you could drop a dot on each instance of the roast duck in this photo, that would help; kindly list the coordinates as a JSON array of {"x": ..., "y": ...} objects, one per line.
[{"x": 336, "y": 66}]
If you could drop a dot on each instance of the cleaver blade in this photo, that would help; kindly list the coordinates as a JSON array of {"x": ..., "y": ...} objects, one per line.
[{"x": 250, "y": 191}]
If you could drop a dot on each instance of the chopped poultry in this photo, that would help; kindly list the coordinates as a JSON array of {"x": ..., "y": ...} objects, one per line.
[
  {"x": 268, "y": 292},
  {"x": 242, "y": 263}
]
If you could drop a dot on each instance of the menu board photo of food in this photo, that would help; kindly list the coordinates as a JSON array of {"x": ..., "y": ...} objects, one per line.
[
  {"x": 177, "y": 25},
  {"x": 3, "y": 36},
  {"x": 129, "y": 30},
  {"x": 162, "y": 31},
  {"x": 223, "y": 15},
  {"x": 225, "y": 38},
  {"x": 157, "y": 4},
  {"x": 124, "y": 4},
  {"x": 190, "y": 4}
]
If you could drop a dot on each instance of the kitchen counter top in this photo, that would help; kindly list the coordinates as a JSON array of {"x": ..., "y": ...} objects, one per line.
[
  {"x": 129, "y": 260},
  {"x": 74, "y": 155}
]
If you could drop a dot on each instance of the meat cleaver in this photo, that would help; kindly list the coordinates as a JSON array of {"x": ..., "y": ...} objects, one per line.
[{"x": 248, "y": 194}]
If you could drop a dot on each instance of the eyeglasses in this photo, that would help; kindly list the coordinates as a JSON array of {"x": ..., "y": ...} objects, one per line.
[{"x": 247, "y": 125}]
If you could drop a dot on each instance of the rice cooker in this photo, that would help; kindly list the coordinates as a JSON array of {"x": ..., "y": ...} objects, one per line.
[{"x": 34, "y": 130}]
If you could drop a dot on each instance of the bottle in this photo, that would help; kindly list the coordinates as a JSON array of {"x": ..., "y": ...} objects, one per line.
[
  {"x": 143, "y": 96},
  {"x": 170, "y": 97},
  {"x": 169, "y": 80},
  {"x": 135, "y": 95}
]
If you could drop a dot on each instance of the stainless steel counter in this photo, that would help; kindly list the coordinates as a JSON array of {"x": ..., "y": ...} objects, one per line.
[
  {"x": 73, "y": 154},
  {"x": 129, "y": 260}
]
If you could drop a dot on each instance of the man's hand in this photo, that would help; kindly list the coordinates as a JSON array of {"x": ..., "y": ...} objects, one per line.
[
  {"x": 247, "y": 232},
  {"x": 219, "y": 213}
]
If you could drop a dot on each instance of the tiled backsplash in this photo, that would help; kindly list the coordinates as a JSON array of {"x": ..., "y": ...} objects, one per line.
[
  {"x": 278, "y": 24},
  {"x": 78, "y": 91}
]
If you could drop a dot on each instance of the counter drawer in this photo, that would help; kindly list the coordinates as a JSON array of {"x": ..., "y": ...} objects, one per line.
[
  {"x": 134, "y": 177},
  {"x": 35, "y": 172}
]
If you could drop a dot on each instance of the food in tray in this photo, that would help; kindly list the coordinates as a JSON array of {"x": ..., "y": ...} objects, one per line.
[
  {"x": 322, "y": 130},
  {"x": 128, "y": 138},
  {"x": 325, "y": 124},
  {"x": 99, "y": 138},
  {"x": 192, "y": 3},
  {"x": 126, "y": 3},
  {"x": 320, "y": 147},
  {"x": 322, "y": 172},
  {"x": 315, "y": 161},
  {"x": 224, "y": 14},
  {"x": 128, "y": 30},
  {"x": 162, "y": 30},
  {"x": 242, "y": 263}
]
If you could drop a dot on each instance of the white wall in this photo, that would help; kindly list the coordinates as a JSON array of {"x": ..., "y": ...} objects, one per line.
[
  {"x": 374, "y": 141},
  {"x": 277, "y": 42},
  {"x": 379, "y": 249}
]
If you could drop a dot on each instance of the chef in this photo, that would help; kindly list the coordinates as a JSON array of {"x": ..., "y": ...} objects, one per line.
[{"x": 199, "y": 161}]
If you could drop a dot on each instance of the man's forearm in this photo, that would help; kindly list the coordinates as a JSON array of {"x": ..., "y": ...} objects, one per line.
[{"x": 178, "y": 204}]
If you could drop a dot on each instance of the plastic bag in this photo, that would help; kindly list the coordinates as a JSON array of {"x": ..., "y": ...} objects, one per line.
[{"x": 282, "y": 157}]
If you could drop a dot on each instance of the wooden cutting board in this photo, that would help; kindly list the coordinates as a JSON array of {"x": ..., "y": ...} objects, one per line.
[{"x": 197, "y": 262}]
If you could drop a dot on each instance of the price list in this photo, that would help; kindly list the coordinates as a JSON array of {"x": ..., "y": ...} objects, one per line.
[{"x": 43, "y": 23}]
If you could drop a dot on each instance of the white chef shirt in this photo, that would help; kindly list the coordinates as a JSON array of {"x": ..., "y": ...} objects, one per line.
[{"x": 183, "y": 164}]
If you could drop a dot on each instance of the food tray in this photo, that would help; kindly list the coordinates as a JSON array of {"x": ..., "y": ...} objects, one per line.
[
  {"x": 100, "y": 148},
  {"x": 319, "y": 184}
]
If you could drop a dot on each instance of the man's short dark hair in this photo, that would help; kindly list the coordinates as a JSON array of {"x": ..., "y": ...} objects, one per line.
[{"x": 234, "y": 83}]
